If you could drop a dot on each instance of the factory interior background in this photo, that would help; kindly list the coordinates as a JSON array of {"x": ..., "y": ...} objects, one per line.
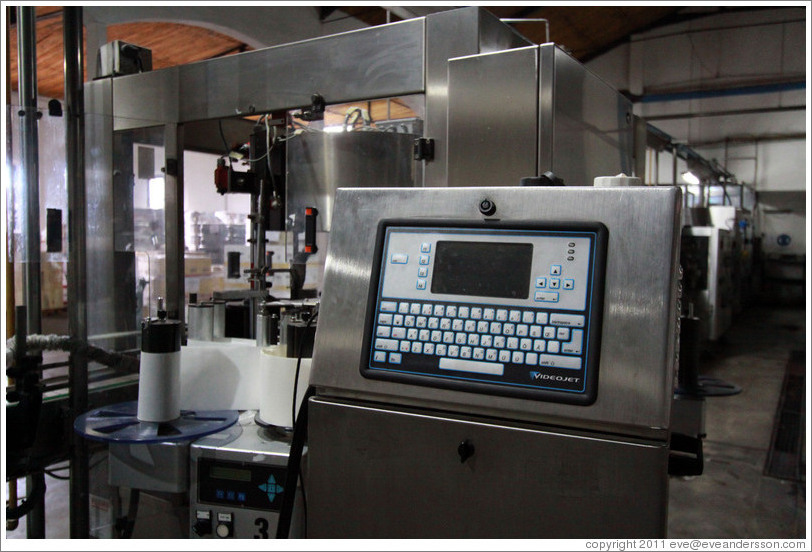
[{"x": 208, "y": 149}]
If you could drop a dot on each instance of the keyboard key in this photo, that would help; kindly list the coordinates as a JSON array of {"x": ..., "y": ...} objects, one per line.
[
  {"x": 482, "y": 326},
  {"x": 491, "y": 354},
  {"x": 473, "y": 339},
  {"x": 521, "y": 330},
  {"x": 535, "y": 331},
  {"x": 453, "y": 351},
  {"x": 421, "y": 283},
  {"x": 385, "y": 319},
  {"x": 513, "y": 343},
  {"x": 451, "y": 311},
  {"x": 388, "y": 306},
  {"x": 555, "y": 283},
  {"x": 460, "y": 338},
  {"x": 563, "y": 334},
  {"x": 426, "y": 309},
  {"x": 414, "y": 308},
  {"x": 549, "y": 333},
  {"x": 553, "y": 347},
  {"x": 539, "y": 345},
  {"x": 531, "y": 358},
  {"x": 395, "y": 358},
  {"x": 436, "y": 336},
  {"x": 405, "y": 346},
  {"x": 486, "y": 340},
  {"x": 439, "y": 310},
  {"x": 499, "y": 341},
  {"x": 555, "y": 361},
  {"x": 411, "y": 334},
  {"x": 541, "y": 282},
  {"x": 448, "y": 337},
  {"x": 421, "y": 321},
  {"x": 445, "y": 323},
  {"x": 457, "y": 325},
  {"x": 462, "y": 312},
  {"x": 528, "y": 317},
  {"x": 541, "y": 318},
  {"x": 434, "y": 323},
  {"x": 473, "y": 366},
  {"x": 440, "y": 350},
  {"x": 569, "y": 284},
  {"x": 465, "y": 352},
  {"x": 386, "y": 344},
  {"x": 488, "y": 314},
  {"x": 403, "y": 308},
  {"x": 517, "y": 357},
  {"x": 572, "y": 320},
  {"x": 502, "y": 315},
  {"x": 408, "y": 321},
  {"x": 515, "y": 316},
  {"x": 476, "y": 313},
  {"x": 496, "y": 328},
  {"x": 555, "y": 270},
  {"x": 383, "y": 331},
  {"x": 428, "y": 348},
  {"x": 504, "y": 356},
  {"x": 424, "y": 259},
  {"x": 379, "y": 356},
  {"x": 509, "y": 329},
  {"x": 397, "y": 320},
  {"x": 424, "y": 335},
  {"x": 546, "y": 296},
  {"x": 398, "y": 333},
  {"x": 575, "y": 345},
  {"x": 470, "y": 325},
  {"x": 417, "y": 347},
  {"x": 479, "y": 353},
  {"x": 526, "y": 344}
]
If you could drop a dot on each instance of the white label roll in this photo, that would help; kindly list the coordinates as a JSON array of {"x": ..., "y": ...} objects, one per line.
[{"x": 159, "y": 387}]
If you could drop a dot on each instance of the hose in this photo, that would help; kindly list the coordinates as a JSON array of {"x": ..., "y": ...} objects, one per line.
[{"x": 52, "y": 342}]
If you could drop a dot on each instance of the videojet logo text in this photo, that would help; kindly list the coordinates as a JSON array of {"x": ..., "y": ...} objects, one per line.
[{"x": 538, "y": 376}]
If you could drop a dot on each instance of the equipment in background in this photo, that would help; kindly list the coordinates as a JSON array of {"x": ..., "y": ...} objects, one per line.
[
  {"x": 497, "y": 358},
  {"x": 238, "y": 483}
]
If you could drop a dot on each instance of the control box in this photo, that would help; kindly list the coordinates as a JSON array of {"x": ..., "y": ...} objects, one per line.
[
  {"x": 238, "y": 483},
  {"x": 511, "y": 309}
]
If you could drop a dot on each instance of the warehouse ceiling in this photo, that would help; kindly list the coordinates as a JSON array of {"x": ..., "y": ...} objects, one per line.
[{"x": 586, "y": 32}]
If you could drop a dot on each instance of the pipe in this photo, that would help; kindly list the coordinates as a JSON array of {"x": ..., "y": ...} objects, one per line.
[
  {"x": 27, "y": 64},
  {"x": 29, "y": 143},
  {"x": 735, "y": 91},
  {"x": 77, "y": 267}
]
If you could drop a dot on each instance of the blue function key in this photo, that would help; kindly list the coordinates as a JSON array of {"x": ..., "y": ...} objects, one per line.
[
  {"x": 555, "y": 270},
  {"x": 569, "y": 283}
]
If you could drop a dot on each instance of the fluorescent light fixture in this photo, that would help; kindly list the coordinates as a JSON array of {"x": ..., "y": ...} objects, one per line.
[{"x": 690, "y": 178}]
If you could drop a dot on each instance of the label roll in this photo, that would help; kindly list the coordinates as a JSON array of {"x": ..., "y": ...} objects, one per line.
[{"x": 159, "y": 379}]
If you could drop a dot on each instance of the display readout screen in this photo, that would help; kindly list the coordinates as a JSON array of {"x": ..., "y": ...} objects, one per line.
[
  {"x": 483, "y": 269},
  {"x": 232, "y": 474}
]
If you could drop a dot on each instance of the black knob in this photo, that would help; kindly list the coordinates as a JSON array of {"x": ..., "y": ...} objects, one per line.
[
  {"x": 487, "y": 207},
  {"x": 465, "y": 450},
  {"x": 202, "y": 527}
]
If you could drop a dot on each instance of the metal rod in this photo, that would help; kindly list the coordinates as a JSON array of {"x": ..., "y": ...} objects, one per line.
[
  {"x": 77, "y": 267},
  {"x": 530, "y": 20},
  {"x": 27, "y": 63}
]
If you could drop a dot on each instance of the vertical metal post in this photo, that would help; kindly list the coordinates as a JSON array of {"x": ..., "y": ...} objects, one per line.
[
  {"x": 77, "y": 267},
  {"x": 173, "y": 213},
  {"x": 27, "y": 64},
  {"x": 27, "y": 67}
]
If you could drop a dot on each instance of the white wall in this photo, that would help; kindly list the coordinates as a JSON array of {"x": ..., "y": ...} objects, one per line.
[
  {"x": 735, "y": 50},
  {"x": 199, "y": 193}
]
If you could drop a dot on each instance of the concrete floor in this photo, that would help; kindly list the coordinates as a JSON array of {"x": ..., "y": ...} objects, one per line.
[{"x": 732, "y": 499}]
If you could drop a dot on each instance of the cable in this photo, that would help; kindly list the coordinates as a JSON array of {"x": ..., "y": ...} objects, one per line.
[{"x": 313, "y": 316}]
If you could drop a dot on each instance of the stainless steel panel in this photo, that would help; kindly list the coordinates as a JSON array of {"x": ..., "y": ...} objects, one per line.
[
  {"x": 394, "y": 474},
  {"x": 592, "y": 125},
  {"x": 147, "y": 99},
  {"x": 495, "y": 36},
  {"x": 174, "y": 222},
  {"x": 320, "y": 162},
  {"x": 637, "y": 353},
  {"x": 377, "y": 62},
  {"x": 492, "y": 110}
]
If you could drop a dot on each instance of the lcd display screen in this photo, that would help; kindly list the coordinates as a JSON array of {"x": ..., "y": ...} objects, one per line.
[{"x": 482, "y": 269}]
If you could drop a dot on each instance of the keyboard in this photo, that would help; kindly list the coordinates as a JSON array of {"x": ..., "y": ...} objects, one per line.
[{"x": 477, "y": 339}]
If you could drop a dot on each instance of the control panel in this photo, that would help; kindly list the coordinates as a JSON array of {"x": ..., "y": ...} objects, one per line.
[
  {"x": 506, "y": 309},
  {"x": 238, "y": 483}
]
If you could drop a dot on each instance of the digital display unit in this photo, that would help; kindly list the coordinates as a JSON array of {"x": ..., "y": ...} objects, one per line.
[{"x": 511, "y": 309}]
